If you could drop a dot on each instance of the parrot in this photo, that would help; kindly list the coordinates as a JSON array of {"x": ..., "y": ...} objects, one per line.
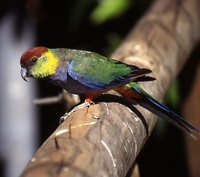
[{"x": 91, "y": 74}]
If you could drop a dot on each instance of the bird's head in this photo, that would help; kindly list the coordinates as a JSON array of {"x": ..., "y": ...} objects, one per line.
[{"x": 38, "y": 62}]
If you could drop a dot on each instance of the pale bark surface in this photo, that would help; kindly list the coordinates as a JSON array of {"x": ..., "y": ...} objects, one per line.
[{"x": 104, "y": 139}]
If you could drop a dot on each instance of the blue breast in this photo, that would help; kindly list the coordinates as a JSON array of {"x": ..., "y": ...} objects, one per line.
[{"x": 62, "y": 79}]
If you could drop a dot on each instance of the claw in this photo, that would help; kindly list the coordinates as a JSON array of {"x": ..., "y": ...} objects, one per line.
[
  {"x": 88, "y": 102},
  {"x": 83, "y": 105}
]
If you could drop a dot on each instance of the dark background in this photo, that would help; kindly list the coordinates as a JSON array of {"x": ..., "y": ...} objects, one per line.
[{"x": 68, "y": 24}]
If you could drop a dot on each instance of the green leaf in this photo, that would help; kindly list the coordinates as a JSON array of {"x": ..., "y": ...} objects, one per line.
[
  {"x": 172, "y": 97},
  {"x": 108, "y": 9}
]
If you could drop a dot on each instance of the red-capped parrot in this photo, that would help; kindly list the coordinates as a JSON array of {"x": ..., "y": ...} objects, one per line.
[{"x": 91, "y": 74}]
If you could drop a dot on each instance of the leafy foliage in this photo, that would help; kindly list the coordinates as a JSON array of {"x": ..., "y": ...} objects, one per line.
[
  {"x": 108, "y": 9},
  {"x": 172, "y": 96}
]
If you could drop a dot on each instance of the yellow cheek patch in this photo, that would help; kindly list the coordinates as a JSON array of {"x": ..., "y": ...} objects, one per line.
[{"x": 46, "y": 65}]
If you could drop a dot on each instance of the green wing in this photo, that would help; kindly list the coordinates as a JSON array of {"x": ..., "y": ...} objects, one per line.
[{"x": 98, "y": 72}]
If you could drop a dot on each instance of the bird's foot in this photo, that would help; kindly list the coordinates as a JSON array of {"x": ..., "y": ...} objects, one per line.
[{"x": 81, "y": 106}]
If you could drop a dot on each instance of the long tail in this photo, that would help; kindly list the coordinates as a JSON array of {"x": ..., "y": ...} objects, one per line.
[{"x": 138, "y": 95}]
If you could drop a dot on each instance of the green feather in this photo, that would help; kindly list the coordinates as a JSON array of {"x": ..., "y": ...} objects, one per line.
[
  {"x": 137, "y": 86},
  {"x": 94, "y": 66}
]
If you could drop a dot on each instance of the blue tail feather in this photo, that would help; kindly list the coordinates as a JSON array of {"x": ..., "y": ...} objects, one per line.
[{"x": 164, "y": 112}]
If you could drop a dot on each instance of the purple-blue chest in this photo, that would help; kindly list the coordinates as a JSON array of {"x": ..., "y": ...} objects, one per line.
[{"x": 62, "y": 79}]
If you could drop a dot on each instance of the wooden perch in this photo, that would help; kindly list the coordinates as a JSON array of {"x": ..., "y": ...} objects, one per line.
[
  {"x": 105, "y": 139},
  {"x": 192, "y": 112}
]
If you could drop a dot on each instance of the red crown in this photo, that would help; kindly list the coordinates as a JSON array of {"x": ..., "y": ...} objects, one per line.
[{"x": 29, "y": 54}]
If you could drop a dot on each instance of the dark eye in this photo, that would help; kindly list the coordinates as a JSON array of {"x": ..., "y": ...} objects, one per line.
[{"x": 34, "y": 59}]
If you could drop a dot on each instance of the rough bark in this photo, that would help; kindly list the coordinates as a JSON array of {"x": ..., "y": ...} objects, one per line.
[
  {"x": 105, "y": 139},
  {"x": 191, "y": 111}
]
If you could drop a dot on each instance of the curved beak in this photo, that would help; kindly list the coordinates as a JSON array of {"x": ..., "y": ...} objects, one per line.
[{"x": 24, "y": 73}]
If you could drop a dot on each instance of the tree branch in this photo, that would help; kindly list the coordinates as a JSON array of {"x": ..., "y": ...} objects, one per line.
[
  {"x": 191, "y": 111},
  {"x": 105, "y": 139}
]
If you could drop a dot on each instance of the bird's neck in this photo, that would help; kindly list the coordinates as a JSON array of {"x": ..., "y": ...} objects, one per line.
[
  {"x": 61, "y": 72},
  {"x": 65, "y": 54}
]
